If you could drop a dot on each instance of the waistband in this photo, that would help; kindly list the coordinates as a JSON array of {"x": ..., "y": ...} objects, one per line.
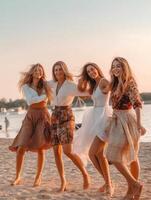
[
  {"x": 61, "y": 107},
  {"x": 122, "y": 110},
  {"x": 40, "y": 105}
]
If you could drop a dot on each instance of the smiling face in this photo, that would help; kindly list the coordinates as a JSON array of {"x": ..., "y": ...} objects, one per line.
[
  {"x": 92, "y": 72},
  {"x": 116, "y": 68},
  {"x": 59, "y": 73},
  {"x": 38, "y": 72}
]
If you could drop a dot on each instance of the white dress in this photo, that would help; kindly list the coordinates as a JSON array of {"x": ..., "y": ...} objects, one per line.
[{"x": 93, "y": 124}]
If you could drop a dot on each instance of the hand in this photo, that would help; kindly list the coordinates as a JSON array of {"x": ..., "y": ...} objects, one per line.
[
  {"x": 82, "y": 84},
  {"x": 81, "y": 81},
  {"x": 142, "y": 130}
]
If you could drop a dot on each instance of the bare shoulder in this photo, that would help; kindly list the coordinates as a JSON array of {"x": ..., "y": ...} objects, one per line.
[
  {"x": 104, "y": 82},
  {"x": 104, "y": 85}
]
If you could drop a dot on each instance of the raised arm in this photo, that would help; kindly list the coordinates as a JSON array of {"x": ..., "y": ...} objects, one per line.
[{"x": 74, "y": 91}]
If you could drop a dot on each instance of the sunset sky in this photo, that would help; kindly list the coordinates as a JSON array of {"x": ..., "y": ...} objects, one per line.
[{"x": 75, "y": 31}]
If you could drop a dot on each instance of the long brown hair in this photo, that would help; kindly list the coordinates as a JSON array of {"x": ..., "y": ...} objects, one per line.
[
  {"x": 85, "y": 80},
  {"x": 68, "y": 75},
  {"x": 27, "y": 78},
  {"x": 125, "y": 77}
]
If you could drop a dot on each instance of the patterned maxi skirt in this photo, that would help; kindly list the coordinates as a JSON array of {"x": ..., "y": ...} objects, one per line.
[
  {"x": 123, "y": 143},
  {"x": 62, "y": 125},
  {"x": 32, "y": 133}
]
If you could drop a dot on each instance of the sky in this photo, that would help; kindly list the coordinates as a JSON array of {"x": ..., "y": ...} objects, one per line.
[{"x": 76, "y": 32}]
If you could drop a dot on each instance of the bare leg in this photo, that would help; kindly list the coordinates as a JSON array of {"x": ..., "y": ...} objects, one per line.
[
  {"x": 19, "y": 163},
  {"x": 40, "y": 165},
  {"x": 135, "y": 171},
  {"x": 133, "y": 184},
  {"x": 60, "y": 166},
  {"x": 93, "y": 157},
  {"x": 67, "y": 149},
  {"x": 101, "y": 163}
]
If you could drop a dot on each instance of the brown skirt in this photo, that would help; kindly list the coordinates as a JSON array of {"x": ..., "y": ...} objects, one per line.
[
  {"x": 123, "y": 143},
  {"x": 62, "y": 125},
  {"x": 32, "y": 133}
]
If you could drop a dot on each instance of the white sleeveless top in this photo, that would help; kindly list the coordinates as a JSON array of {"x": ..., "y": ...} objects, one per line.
[{"x": 99, "y": 98}]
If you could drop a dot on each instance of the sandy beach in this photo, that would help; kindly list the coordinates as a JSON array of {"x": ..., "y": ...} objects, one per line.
[{"x": 51, "y": 183}]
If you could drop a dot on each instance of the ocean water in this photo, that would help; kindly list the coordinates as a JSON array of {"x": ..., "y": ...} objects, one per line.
[{"x": 15, "y": 120}]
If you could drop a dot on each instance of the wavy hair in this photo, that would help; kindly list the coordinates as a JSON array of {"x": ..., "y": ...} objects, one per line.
[
  {"x": 86, "y": 81},
  {"x": 27, "y": 78},
  {"x": 126, "y": 76},
  {"x": 68, "y": 75}
]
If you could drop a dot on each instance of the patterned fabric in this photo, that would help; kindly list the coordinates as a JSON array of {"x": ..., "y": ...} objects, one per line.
[
  {"x": 32, "y": 133},
  {"x": 129, "y": 99},
  {"x": 62, "y": 126}
]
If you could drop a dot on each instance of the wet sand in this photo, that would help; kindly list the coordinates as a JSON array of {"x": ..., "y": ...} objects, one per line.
[{"x": 51, "y": 183}]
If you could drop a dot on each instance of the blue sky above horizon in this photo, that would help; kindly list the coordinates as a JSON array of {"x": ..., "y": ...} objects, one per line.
[{"x": 75, "y": 31}]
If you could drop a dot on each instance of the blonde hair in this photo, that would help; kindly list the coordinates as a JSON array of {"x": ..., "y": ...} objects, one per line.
[
  {"x": 85, "y": 80},
  {"x": 27, "y": 78},
  {"x": 68, "y": 75},
  {"x": 126, "y": 76}
]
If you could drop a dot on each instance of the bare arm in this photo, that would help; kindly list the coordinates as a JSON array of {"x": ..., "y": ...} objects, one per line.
[
  {"x": 74, "y": 90},
  {"x": 137, "y": 104},
  {"x": 104, "y": 86},
  {"x": 140, "y": 128}
]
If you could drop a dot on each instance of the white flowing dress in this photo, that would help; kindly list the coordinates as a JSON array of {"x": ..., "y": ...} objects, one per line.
[{"x": 93, "y": 124}]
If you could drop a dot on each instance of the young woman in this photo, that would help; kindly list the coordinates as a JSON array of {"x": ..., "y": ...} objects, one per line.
[
  {"x": 126, "y": 127},
  {"x": 90, "y": 140},
  {"x": 63, "y": 121},
  {"x": 31, "y": 136}
]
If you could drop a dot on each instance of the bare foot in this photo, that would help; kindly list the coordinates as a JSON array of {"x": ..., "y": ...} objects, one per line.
[
  {"x": 134, "y": 192},
  {"x": 128, "y": 194},
  {"x": 86, "y": 182},
  {"x": 102, "y": 189},
  {"x": 37, "y": 182},
  {"x": 63, "y": 186},
  {"x": 137, "y": 190},
  {"x": 17, "y": 181},
  {"x": 110, "y": 190}
]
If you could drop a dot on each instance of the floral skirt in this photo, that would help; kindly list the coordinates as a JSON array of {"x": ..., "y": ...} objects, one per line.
[
  {"x": 62, "y": 125},
  {"x": 32, "y": 133},
  {"x": 123, "y": 142}
]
